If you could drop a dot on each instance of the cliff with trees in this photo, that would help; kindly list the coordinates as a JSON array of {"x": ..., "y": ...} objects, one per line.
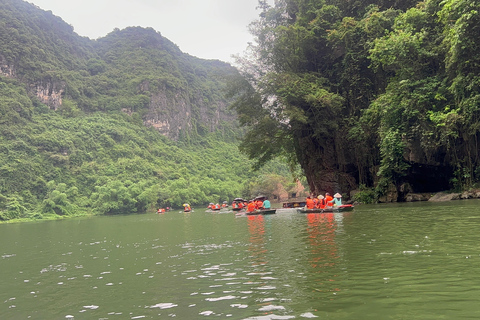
[{"x": 376, "y": 95}]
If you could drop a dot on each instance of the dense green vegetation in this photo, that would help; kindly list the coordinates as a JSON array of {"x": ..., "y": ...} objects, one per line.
[
  {"x": 378, "y": 94},
  {"x": 77, "y": 121},
  {"x": 381, "y": 96},
  {"x": 109, "y": 163}
]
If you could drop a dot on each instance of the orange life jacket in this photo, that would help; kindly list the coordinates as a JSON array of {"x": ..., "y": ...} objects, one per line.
[
  {"x": 328, "y": 199},
  {"x": 322, "y": 203},
  {"x": 251, "y": 207},
  {"x": 310, "y": 204}
]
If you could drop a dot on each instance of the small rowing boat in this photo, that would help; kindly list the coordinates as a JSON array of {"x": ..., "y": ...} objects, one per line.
[
  {"x": 261, "y": 211},
  {"x": 342, "y": 208}
]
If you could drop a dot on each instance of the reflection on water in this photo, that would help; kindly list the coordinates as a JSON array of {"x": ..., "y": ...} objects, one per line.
[
  {"x": 323, "y": 250},
  {"x": 256, "y": 229},
  {"x": 321, "y": 236},
  {"x": 413, "y": 261}
]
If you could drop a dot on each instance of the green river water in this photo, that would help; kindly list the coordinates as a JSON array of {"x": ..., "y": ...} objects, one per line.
[{"x": 395, "y": 261}]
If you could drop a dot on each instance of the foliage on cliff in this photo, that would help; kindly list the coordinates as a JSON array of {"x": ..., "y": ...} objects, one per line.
[
  {"x": 126, "y": 123},
  {"x": 134, "y": 70},
  {"x": 54, "y": 163},
  {"x": 371, "y": 93}
]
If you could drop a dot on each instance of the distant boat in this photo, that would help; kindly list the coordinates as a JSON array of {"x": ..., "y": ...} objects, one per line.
[
  {"x": 342, "y": 208},
  {"x": 237, "y": 204},
  {"x": 261, "y": 211},
  {"x": 187, "y": 207}
]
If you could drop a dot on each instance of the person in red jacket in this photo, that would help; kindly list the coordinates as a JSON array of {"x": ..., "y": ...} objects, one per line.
[
  {"x": 322, "y": 203},
  {"x": 251, "y": 206},
  {"x": 329, "y": 199},
  {"x": 309, "y": 203},
  {"x": 315, "y": 201}
]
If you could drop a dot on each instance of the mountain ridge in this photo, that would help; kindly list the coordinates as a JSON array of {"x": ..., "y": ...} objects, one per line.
[{"x": 43, "y": 52}]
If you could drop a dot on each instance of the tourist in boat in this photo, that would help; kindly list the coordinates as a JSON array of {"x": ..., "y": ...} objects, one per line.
[
  {"x": 259, "y": 204},
  {"x": 322, "y": 203},
  {"x": 309, "y": 203},
  {"x": 315, "y": 201},
  {"x": 210, "y": 206},
  {"x": 337, "y": 199},
  {"x": 186, "y": 207},
  {"x": 251, "y": 206},
  {"x": 266, "y": 204},
  {"x": 328, "y": 199},
  {"x": 237, "y": 205}
]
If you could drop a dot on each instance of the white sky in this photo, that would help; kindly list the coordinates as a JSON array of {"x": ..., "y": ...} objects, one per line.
[{"x": 208, "y": 29}]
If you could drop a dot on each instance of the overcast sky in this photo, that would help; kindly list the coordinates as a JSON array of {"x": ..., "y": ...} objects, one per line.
[{"x": 208, "y": 29}]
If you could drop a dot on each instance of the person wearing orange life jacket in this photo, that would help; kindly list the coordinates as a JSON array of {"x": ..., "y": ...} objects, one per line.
[
  {"x": 251, "y": 206},
  {"x": 322, "y": 203},
  {"x": 328, "y": 199},
  {"x": 259, "y": 204},
  {"x": 309, "y": 203}
]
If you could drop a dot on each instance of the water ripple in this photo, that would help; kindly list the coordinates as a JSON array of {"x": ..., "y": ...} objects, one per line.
[{"x": 164, "y": 305}]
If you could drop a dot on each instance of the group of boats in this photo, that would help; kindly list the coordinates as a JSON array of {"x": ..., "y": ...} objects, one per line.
[
  {"x": 299, "y": 206},
  {"x": 239, "y": 206}
]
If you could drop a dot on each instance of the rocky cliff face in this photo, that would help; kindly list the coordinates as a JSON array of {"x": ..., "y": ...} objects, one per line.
[
  {"x": 5, "y": 68},
  {"x": 178, "y": 112},
  {"x": 49, "y": 93},
  {"x": 169, "y": 114}
]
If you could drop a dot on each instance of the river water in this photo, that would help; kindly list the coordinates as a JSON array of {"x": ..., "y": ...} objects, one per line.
[{"x": 401, "y": 261}]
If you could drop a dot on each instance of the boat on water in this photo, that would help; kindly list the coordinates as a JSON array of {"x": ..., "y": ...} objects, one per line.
[
  {"x": 261, "y": 211},
  {"x": 237, "y": 204},
  {"x": 187, "y": 207},
  {"x": 342, "y": 208}
]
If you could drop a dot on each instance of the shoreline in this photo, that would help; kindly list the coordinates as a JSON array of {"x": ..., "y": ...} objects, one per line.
[{"x": 441, "y": 196}]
